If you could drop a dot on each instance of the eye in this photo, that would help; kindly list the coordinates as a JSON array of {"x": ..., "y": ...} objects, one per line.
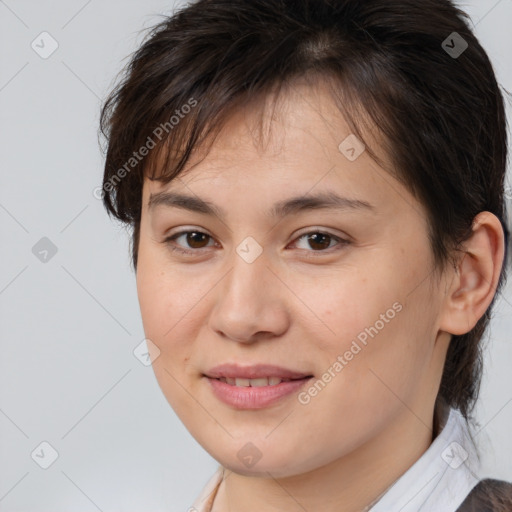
[
  {"x": 193, "y": 237},
  {"x": 319, "y": 241}
]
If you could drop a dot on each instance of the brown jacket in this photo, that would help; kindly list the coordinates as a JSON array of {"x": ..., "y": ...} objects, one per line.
[{"x": 489, "y": 496}]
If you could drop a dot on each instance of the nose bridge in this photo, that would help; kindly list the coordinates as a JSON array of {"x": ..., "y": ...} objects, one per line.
[
  {"x": 245, "y": 282},
  {"x": 247, "y": 300}
]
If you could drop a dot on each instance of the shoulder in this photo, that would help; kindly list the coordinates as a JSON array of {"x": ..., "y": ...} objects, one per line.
[{"x": 489, "y": 495}]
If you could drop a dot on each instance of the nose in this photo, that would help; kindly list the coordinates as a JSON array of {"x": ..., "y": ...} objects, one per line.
[{"x": 250, "y": 302}]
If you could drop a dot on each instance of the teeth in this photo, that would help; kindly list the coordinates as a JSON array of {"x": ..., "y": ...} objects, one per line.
[
  {"x": 262, "y": 381},
  {"x": 257, "y": 382}
]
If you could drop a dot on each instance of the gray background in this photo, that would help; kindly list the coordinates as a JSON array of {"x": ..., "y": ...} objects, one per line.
[{"x": 69, "y": 325}]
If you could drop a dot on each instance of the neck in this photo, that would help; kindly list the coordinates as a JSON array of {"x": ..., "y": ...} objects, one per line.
[{"x": 354, "y": 482}]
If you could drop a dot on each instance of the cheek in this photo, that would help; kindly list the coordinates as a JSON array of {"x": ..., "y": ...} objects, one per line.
[
  {"x": 163, "y": 292},
  {"x": 152, "y": 300},
  {"x": 353, "y": 312},
  {"x": 166, "y": 323},
  {"x": 171, "y": 302},
  {"x": 382, "y": 334},
  {"x": 159, "y": 300},
  {"x": 362, "y": 380}
]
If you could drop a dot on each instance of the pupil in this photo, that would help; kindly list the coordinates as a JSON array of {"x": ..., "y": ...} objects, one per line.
[
  {"x": 313, "y": 239},
  {"x": 195, "y": 233}
]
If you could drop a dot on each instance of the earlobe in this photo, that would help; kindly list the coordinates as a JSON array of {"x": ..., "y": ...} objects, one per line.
[{"x": 474, "y": 284}]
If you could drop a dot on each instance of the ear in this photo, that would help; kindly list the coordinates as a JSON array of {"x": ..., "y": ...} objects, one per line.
[{"x": 474, "y": 282}]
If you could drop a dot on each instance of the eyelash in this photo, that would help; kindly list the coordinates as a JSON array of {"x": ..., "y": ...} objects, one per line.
[{"x": 169, "y": 241}]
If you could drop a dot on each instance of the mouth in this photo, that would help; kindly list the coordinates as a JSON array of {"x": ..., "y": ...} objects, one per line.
[
  {"x": 258, "y": 382},
  {"x": 254, "y": 387},
  {"x": 258, "y": 374}
]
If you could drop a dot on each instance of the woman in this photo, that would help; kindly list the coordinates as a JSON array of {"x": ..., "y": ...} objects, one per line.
[{"x": 316, "y": 192}]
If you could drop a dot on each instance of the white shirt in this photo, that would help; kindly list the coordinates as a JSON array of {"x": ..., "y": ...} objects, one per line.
[{"x": 438, "y": 481}]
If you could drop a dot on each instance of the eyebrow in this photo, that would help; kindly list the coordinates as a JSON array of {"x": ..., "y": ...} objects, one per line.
[{"x": 293, "y": 205}]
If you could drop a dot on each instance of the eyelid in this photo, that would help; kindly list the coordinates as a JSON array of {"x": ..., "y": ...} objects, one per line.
[{"x": 320, "y": 229}]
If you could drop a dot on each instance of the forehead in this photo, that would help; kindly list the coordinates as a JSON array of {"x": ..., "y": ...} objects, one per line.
[
  {"x": 301, "y": 115},
  {"x": 292, "y": 145}
]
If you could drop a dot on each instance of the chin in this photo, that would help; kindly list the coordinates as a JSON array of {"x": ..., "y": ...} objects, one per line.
[
  {"x": 261, "y": 469},
  {"x": 249, "y": 461}
]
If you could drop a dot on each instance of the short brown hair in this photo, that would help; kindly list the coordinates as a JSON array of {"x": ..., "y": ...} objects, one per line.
[{"x": 442, "y": 113}]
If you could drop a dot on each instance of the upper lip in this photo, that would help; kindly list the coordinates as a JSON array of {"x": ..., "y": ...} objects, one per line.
[{"x": 254, "y": 372}]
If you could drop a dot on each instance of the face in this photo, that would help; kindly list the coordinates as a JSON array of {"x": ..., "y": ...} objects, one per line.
[{"x": 340, "y": 293}]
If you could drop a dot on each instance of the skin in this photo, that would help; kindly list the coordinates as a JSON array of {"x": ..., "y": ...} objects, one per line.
[{"x": 374, "y": 419}]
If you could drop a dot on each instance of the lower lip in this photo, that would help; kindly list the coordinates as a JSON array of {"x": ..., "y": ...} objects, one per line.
[{"x": 248, "y": 397}]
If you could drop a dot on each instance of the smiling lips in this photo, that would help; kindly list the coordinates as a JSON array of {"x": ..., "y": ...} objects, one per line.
[
  {"x": 254, "y": 372},
  {"x": 254, "y": 387}
]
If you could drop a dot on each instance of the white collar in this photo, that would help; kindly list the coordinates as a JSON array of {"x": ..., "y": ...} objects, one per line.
[
  {"x": 442, "y": 477},
  {"x": 439, "y": 480},
  {"x": 204, "y": 501}
]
